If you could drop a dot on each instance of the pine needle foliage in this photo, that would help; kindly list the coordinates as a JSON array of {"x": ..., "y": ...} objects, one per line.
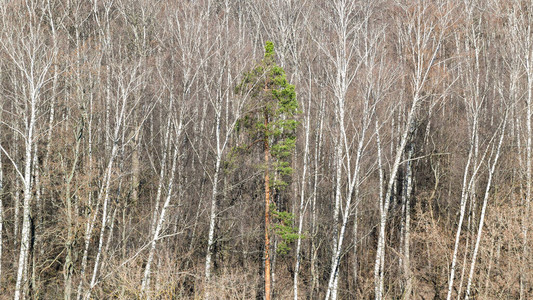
[{"x": 271, "y": 117}]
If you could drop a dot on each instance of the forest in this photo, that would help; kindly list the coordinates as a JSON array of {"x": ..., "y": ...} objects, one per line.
[{"x": 283, "y": 149}]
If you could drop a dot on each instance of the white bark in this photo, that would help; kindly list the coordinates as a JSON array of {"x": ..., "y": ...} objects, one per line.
[
  {"x": 220, "y": 147},
  {"x": 161, "y": 221},
  {"x": 33, "y": 66},
  {"x": 338, "y": 158},
  {"x": 90, "y": 220},
  {"x": 89, "y": 227},
  {"x": 353, "y": 190},
  {"x": 225, "y": 120},
  {"x": 380, "y": 253},
  {"x": 470, "y": 75},
  {"x": 69, "y": 264},
  {"x": 220, "y": 102},
  {"x": 16, "y": 219},
  {"x": 341, "y": 57},
  {"x": 25, "y": 235},
  {"x": 104, "y": 195},
  {"x": 162, "y": 171},
  {"x": 464, "y": 195},
  {"x": 303, "y": 184},
  {"x": 378, "y": 269},
  {"x": 422, "y": 40},
  {"x": 212, "y": 217},
  {"x": 314, "y": 226},
  {"x": 125, "y": 88},
  {"x": 484, "y": 208}
]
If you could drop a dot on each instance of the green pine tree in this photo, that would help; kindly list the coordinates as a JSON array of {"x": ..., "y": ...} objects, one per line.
[{"x": 271, "y": 121}]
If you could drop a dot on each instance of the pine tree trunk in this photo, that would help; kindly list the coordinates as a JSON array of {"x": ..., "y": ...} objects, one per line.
[{"x": 267, "y": 212}]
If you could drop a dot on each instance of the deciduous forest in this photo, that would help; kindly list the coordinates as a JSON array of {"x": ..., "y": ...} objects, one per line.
[{"x": 284, "y": 149}]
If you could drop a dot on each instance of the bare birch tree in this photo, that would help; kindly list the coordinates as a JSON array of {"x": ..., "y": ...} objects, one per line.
[
  {"x": 32, "y": 57},
  {"x": 423, "y": 37}
]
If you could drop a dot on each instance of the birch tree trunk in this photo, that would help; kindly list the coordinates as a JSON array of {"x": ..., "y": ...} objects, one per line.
[
  {"x": 484, "y": 207},
  {"x": 212, "y": 217},
  {"x": 380, "y": 254},
  {"x": 314, "y": 226},
  {"x": 220, "y": 102},
  {"x": 32, "y": 58},
  {"x": 162, "y": 171},
  {"x": 341, "y": 57},
  {"x": 161, "y": 220},
  {"x": 125, "y": 87},
  {"x": 423, "y": 46},
  {"x": 104, "y": 196},
  {"x": 471, "y": 77},
  {"x": 102, "y": 20},
  {"x": 382, "y": 201},
  {"x": 303, "y": 184},
  {"x": 25, "y": 235}
]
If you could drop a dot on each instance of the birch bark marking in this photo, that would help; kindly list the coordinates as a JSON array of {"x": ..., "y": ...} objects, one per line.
[
  {"x": 212, "y": 218},
  {"x": 464, "y": 198},
  {"x": 104, "y": 195},
  {"x": 471, "y": 74},
  {"x": 353, "y": 192},
  {"x": 219, "y": 148}
]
